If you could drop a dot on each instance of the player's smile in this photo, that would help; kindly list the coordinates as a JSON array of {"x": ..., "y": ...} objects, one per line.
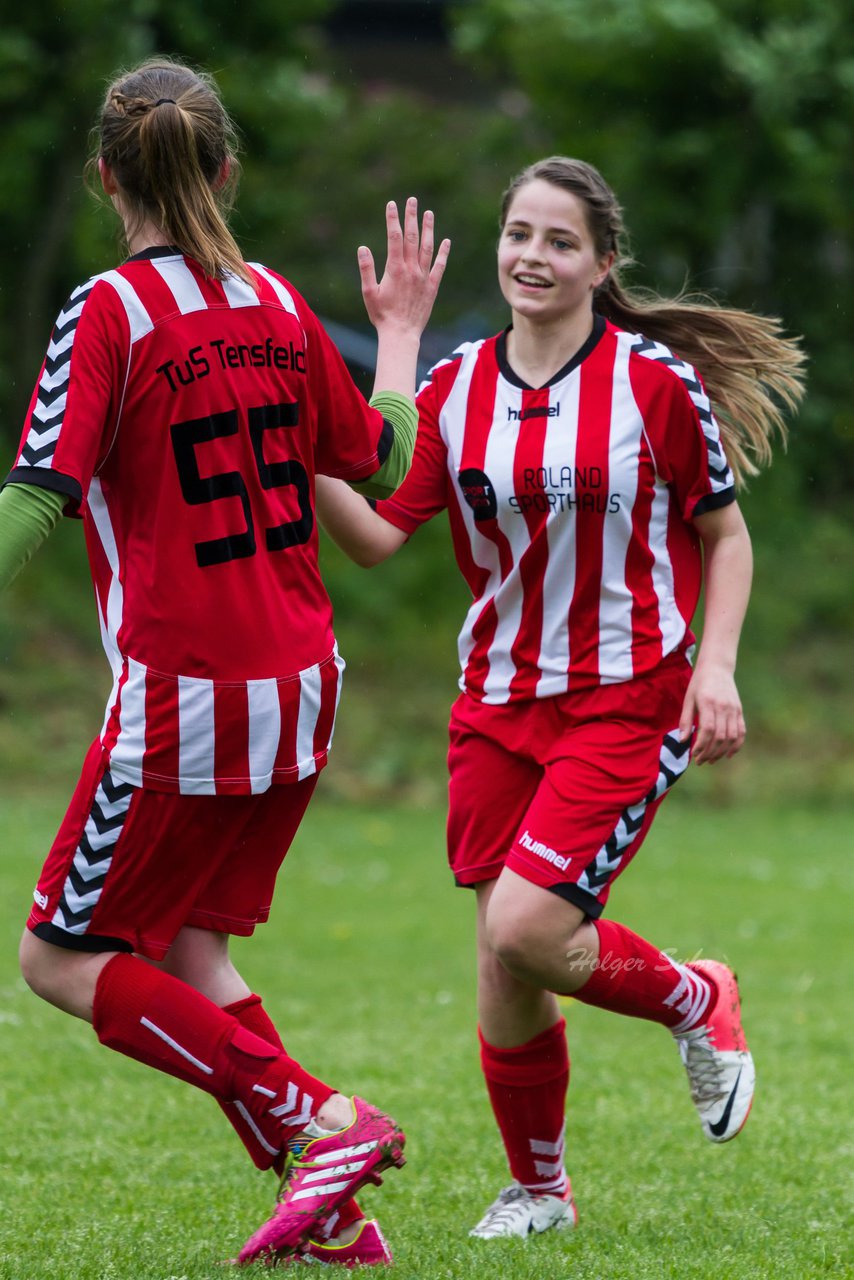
[{"x": 531, "y": 282}]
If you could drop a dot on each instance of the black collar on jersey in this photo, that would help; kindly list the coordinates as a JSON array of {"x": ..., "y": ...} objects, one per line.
[
  {"x": 581, "y": 354},
  {"x": 156, "y": 251}
]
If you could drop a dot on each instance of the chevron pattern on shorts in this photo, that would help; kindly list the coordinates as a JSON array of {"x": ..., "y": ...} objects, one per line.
[
  {"x": 672, "y": 763},
  {"x": 94, "y": 855}
]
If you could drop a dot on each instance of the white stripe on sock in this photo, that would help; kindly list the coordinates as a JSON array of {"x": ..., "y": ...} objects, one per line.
[
  {"x": 289, "y": 1103},
  {"x": 274, "y": 1151},
  {"x": 173, "y": 1044}
]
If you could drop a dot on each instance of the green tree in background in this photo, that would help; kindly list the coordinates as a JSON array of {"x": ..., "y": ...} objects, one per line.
[
  {"x": 54, "y": 62},
  {"x": 725, "y": 127},
  {"x": 321, "y": 157}
]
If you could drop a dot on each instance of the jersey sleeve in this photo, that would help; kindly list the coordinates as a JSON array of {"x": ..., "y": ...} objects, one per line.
[
  {"x": 74, "y": 404},
  {"x": 424, "y": 492},
  {"x": 352, "y": 439},
  {"x": 686, "y": 442}
]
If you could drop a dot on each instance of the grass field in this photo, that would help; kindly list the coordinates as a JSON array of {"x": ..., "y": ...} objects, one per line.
[{"x": 112, "y": 1171}]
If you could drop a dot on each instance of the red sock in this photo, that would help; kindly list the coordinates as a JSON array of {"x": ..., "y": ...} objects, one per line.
[
  {"x": 527, "y": 1088},
  {"x": 635, "y": 978},
  {"x": 252, "y": 1015},
  {"x": 159, "y": 1020}
]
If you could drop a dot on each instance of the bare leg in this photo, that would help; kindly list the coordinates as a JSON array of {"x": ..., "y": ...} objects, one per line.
[
  {"x": 511, "y": 1011},
  {"x": 540, "y": 938},
  {"x": 200, "y": 958}
]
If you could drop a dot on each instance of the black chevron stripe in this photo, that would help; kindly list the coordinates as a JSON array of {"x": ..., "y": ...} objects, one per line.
[
  {"x": 71, "y": 918},
  {"x": 692, "y": 384},
  {"x": 47, "y": 396},
  {"x": 63, "y": 327},
  {"x": 646, "y": 344},
  {"x": 74, "y": 303},
  {"x": 40, "y": 425},
  {"x": 107, "y": 822},
  {"x": 92, "y": 855},
  {"x": 115, "y": 790},
  {"x": 676, "y": 746},
  {"x": 82, "y": 886},
  {"x": 670, "y": 776},
  {"x": 680, "y": 367},
  {"x": 32, "y": 457},
  {"x": 596, "y": 875},
  {"x": 633, "y": 825},
  {"x": 51, "y": 365}
]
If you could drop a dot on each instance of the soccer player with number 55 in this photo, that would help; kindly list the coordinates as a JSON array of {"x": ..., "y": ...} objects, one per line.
[{"x": 186, "y": 402}]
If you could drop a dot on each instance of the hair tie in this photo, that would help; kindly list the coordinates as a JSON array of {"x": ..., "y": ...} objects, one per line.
[{"x": 160, "y": 101}]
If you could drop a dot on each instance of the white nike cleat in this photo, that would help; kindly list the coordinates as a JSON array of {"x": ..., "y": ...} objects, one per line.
[
  {"x": 518, "y": 1212},
  {"x": 720, "y": 1067}
]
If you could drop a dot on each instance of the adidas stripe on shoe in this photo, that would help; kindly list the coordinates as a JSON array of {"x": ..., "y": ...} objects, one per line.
[{"x": 321, "y": 1173}]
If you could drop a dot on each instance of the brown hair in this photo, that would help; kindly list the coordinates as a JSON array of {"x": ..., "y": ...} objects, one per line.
[
  {"x": 753, "y": 374},
  {"x": 171, "y": 146}
]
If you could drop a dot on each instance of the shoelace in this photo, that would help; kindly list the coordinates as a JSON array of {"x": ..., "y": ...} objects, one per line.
[
  {"x": 705, "y": 1071},
  {"x": 292, "y": 1160},
  {"x": 505, "y": 1207}
]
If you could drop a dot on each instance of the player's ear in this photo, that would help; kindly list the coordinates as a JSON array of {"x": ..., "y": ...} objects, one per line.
[
  {"x": 605, "y": 265},
  {"x": 108, "y": 181}
]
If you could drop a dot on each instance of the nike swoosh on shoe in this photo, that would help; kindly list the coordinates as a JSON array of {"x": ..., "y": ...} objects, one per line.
[{"x": 720, "y": 1126}]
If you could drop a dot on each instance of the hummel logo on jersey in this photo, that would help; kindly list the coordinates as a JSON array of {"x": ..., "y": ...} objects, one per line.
[
  {"x": 535, "y": 411},
  {"x": 543, "y": 851},
  {"x": 40, "y": 898}
]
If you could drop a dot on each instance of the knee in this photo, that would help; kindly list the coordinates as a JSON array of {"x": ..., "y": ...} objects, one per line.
[
  {"x": 36, "y": 968},
  {"x": 513, "y": 941},
  {"x": 60, "y": 977}
]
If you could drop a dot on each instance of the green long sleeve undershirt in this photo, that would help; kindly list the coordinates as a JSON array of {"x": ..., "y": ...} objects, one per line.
[
  {"x": 28, "y": 512},
  {"x": 403, "y": 416},
  {"x": 27, "y": 515}
]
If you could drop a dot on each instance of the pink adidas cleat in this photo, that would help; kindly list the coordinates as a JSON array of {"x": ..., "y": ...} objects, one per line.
[
  {"x": 719, "y": 1064},
  {"x": 321, "y": 1173},
  {"x": 368, "y": 1248}
]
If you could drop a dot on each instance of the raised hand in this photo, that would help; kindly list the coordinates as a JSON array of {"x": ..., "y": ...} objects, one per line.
[{"x": 404, "y": 297}]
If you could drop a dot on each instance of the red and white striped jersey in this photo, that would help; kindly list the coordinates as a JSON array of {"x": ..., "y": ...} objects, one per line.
[
  {"x": 570, "y": 509},
  {"x": 185, "y": 419}
]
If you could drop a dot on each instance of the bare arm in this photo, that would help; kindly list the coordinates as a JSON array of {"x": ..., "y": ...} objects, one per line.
[
  {"x": 399, "y": 307},
  {"x": 354, "y": 525},
  {"x": 712, "y": 702},
  {"x": 399, "y": 304}
]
